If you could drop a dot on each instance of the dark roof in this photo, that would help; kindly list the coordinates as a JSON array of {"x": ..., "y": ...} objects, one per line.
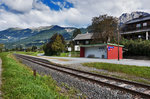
[
  {"x": 86, "y": 36},
  {"x": 144, "y": 18},
  {"x": 105, "y": 44}
]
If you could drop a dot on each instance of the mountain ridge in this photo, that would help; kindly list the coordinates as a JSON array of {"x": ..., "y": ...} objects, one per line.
[
  {"x": 14, "y": 37},
  {"x": 129, "y": 16}
]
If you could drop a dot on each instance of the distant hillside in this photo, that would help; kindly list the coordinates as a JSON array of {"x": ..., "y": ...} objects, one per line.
[
  {"x": 129, "y": 16},
  {"x": 14, "y": 37}
]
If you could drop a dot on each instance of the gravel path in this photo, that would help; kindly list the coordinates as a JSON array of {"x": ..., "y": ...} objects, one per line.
[{"x": 92, "y": 91}]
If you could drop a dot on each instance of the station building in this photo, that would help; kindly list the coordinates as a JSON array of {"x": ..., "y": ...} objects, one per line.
[{"x": 103, "y": 51}]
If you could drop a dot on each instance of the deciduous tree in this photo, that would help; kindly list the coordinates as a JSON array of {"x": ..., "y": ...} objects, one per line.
[
  {"x": 55, "y": 45},
  {"x": 104, "y": 28},
  {"x": 76, "y": 32}
]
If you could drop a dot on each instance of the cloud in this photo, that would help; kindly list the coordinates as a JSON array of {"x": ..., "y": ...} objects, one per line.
[
  {"x": 19, "y": 5},
  {"x": 39, "y": 6},
  {"x": 113, "y": 7},
  {"x": 35, "y": 13}
]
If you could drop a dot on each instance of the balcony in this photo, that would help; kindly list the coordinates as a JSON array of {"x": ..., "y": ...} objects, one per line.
[{"x": 127, "y": 29}]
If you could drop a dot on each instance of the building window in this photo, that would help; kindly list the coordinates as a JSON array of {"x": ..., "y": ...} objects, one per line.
[
  {"x": 78, "y": 42},
  {"x": 145, "y": 24},
  {"x": 138, "y": 25},
  {"x": 86, "y": 42},
  {"x": 78, "y": 48}
]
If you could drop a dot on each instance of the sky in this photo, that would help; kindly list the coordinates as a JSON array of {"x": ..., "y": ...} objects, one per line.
[{"x": 72, "y": 13}]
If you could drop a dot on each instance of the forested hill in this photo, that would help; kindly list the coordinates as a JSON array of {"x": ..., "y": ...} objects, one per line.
[{"x": 14, "y": 37}]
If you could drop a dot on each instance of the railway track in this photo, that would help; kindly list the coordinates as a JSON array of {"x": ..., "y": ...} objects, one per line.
[{"x": 135, "y": 88}]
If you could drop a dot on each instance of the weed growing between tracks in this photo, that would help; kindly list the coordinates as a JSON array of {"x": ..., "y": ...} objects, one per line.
[
  {"x": 18, "y": 82},
  {"x": 127, "y": 69}
]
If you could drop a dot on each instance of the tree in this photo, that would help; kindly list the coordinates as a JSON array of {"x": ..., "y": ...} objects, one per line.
[
  {"x": 6, "y": 50},
  {"x": 28, "y": 49},
  {"x": 76, "y": 32},
  {"x": 1, "y": 47},
  {"x": 16, "y": 49},
  {"x": 71, "y": 44},
  {"x": 34, "y": 48},
  {"x": 55, "y": 45},
  {"x": 104, "y": 28},
  {"x": 20, "y": 48}
]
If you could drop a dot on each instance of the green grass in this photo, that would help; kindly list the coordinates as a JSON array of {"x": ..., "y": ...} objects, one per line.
[
  {"x": 73, "y": 54},
  {"x": 127, "y": 69},
  {"x": 18, "y": 82},
  {"x": 29, "y": 53}
]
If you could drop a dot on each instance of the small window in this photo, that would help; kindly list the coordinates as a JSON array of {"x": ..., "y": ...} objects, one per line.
[
  {"x": 86, "y": 42},
  {"x": 78, "y": 48},
  {"x": 138, "y": 25},
  {"x": 78, "y": 42},
  {"x": 145, "y": 24}
]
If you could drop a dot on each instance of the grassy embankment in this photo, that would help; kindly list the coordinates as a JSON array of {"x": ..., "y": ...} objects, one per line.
[
  {"x": 66, "y": 54},
  {"x": 137, "y": 71},
  {"x": 29, "y": 53},
  {"x": 18, "y": 82}
]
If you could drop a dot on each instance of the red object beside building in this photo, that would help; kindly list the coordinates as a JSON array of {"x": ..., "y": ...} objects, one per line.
[
  {"x": 105, "y": 51},
  {"x": 112, "y": 52}
]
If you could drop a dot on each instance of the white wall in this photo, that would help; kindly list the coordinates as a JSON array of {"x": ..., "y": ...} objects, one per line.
[
  {"x": 69, "y": 49},
  {"x": 77, "y": 48},
  {"x": 96, "y": 51}
]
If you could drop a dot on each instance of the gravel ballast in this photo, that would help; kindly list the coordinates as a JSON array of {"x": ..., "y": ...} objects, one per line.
[{"x": 91, "y": 90}]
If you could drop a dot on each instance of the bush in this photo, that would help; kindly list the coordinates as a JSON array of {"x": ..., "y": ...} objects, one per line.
[{"x": 136, "y": 47}]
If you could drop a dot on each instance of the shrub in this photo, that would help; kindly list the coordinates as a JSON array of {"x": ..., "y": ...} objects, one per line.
[{"x": 136, "y": 47}]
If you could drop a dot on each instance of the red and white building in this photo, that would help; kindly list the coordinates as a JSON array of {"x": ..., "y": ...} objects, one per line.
[{"x": 104, "y": 51}]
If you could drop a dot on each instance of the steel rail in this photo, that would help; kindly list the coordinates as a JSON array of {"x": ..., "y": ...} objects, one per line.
[
  {"x": 94, "y": 74},
  {"x": 47, "y": 64}
]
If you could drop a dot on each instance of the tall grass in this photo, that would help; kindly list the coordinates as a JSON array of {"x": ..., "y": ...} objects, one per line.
[{"x": 18, "y": 82}]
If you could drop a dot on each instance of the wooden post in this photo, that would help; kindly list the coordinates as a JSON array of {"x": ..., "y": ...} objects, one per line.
[
  {"x": 34, "y": 73},
  {"x": 118, "y": 44}
]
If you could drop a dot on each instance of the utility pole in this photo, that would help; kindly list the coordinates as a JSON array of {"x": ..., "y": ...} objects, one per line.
[{"x": 118, "y": 43}]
